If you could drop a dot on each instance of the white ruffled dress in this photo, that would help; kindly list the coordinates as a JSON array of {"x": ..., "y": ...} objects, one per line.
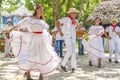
[
  {"x": 94, "y": 46},
  {"x": 33, "y": 48}
]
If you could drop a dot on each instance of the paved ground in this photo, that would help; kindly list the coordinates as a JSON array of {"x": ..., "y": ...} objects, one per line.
[{"x": 108, "y": 71}]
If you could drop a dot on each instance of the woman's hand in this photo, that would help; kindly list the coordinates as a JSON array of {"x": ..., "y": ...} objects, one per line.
[{"x": 22, "y": 30}]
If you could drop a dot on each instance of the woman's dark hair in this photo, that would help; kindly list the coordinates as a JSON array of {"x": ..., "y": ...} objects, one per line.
[
  {"x": 34, "y": 14},
  {"x": 99, "y": 19}
]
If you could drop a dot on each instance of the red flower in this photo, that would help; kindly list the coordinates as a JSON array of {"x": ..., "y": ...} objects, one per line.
[{"x": 37, "y": 5}]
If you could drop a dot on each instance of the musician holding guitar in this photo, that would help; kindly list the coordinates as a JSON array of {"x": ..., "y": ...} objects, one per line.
[
  {"x": 6, "y": 32},
  {"x": 79, "y": 35}
]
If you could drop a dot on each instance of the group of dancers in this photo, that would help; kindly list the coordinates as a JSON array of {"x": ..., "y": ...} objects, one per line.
[{"x": 34, "y": 50}]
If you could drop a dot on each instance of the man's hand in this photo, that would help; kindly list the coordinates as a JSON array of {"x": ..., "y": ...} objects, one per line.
[{"x": 109, "y": 38}]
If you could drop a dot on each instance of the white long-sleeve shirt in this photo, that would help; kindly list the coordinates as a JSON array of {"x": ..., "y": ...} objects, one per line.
[
  {"x": 112, "y": 34},
  {"x": 68, "y": 28},
  {"x": 58, "y": 36}
]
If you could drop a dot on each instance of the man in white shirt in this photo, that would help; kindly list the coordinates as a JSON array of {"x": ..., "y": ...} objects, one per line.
[
  {"x": 59, "y": 39},
  {"x": 114, "y": 40},
  {"x": 69, "y": 31}
]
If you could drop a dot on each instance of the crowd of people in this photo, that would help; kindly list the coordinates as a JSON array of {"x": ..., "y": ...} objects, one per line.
[{"x": 30, "y": 42}]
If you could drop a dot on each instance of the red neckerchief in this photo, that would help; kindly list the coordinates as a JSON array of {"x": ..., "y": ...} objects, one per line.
[
  {"x": 114, "y": 27},
  {"x": 73, "y": 21}
]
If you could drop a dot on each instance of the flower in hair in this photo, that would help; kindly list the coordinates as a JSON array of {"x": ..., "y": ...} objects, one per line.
[{"x": 37, "y": 5}]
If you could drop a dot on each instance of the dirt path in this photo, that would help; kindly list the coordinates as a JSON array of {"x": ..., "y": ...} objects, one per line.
[{"x": 108, "y": 71}]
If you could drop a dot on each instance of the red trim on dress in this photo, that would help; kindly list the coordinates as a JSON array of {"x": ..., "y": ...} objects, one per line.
[
  {"x": 93, "y": 48},
  {"x": 42, "y": 63},
  {"x": 38, "y": 32},
  {"x": 36, "y": 62}
]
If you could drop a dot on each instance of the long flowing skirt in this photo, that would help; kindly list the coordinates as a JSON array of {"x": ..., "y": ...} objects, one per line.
[
  {"x": 94, "y": 47},
  {"x": 34, "y": 51}
]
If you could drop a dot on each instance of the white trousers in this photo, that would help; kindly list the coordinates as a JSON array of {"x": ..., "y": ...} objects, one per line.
[
  {"x": 7, "y": 46},
  {"x": 70, "y": 47},
  {"x": 114, "y": 45}
]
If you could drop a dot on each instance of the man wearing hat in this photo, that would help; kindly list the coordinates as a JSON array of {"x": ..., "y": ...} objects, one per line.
[
  {"x": 5, "y": 31},
  {"x": 114, "y": 40},
  {"x": 24, "y": 15},
  {"x": 69, "y": 31}
]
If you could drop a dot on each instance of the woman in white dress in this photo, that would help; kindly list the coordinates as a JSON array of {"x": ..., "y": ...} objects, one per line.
[
  {"x": 94, "y": 45},
  {"x": 33, "y": 48}
]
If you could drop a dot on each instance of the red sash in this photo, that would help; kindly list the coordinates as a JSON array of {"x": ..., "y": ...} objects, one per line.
[
  {"x": 73, "y": 21},
  {"x": 114, "y": 27}
]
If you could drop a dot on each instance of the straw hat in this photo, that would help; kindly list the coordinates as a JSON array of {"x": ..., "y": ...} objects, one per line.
[
  {"x": 73, "y": 10},
  {"x": 9, "y": 20},
  {"x": 114, "y": 19},
  {"x": 24, "y": 14}
]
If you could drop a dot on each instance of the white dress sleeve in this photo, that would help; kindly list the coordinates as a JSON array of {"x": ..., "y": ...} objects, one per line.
[
  {"x": 90, "y": 30},
  {"x": 101, "y": 30},
  {"x": 107, "y": 29},
  {"x": 118, "y": 29},
  {"x": 23, "y": 22},
  {"x": 44, "y": 24}
]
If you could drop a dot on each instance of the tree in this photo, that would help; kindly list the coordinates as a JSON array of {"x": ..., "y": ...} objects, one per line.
[
  {"x": 56, "y": 9},
  {"x": 86, "y": 8},
  {"x": 11, "y": 5}
]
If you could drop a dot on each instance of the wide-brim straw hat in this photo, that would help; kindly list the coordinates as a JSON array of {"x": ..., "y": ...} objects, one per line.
[
  {"x": 9, "y": 20},
  {"x": 114, "y": 19},
  {"x": 24, "y": 14},
  {"x": 71, "y": 10}
]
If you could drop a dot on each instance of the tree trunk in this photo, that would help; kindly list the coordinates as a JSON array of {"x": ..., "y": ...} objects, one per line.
[
  {"x": 69, "y": 5},
  {"x": 56, "y": 9}
]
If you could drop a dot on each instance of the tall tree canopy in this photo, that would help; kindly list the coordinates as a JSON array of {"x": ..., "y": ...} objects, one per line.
[{"x": 55, "y": 9}]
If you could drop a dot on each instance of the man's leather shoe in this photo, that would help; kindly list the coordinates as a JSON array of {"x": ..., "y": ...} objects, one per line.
[
  {"x": 73, "y": 70},
  {"x": 110, "y": 60},
  {"x": 116, "y": 62},
  {"x": 63, "y": 68}
]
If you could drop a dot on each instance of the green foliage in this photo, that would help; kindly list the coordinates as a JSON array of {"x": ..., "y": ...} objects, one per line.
[
  {"x": 29, "y": 5},
  {"x": 0, "y": 21},
  {"x": 85, "y": 7},
  {"x": 10, "y": 5}
]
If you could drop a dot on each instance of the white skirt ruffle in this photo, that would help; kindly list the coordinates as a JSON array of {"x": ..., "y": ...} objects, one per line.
[
  {"x": 94, "y": 47},
  {"x": 34, "y": 51}
]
